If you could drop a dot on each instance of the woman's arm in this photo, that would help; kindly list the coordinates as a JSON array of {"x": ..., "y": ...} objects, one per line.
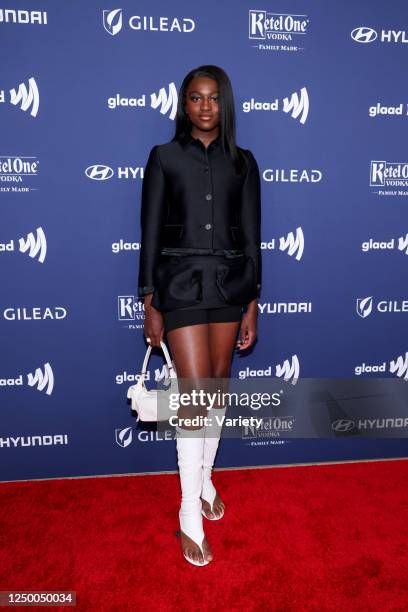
[
  {"x": 251, "y": 217},
  {"x": 151, "y": 219},
  {"x": 251, "y": 231}
]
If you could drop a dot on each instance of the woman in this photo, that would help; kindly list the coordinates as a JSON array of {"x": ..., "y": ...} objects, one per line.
[{"x": 200, "y": 267}]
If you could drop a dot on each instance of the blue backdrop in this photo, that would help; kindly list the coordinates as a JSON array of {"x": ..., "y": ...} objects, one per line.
[{"x": 85, "y": 92}]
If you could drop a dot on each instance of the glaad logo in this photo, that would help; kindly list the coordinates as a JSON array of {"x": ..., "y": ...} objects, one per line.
[
  {"x": 16, "y": 169},
  {"x": 365, "y": 306},
  {"x": 113, "y": 22},
  {"x": 292, "y": 244},
  {"x": 21, "y": 16},
  {"x": 100, "y": 172},
  {"x": 286, "y": 371},
  {"x": 124, "y": 436},
  {"x": 293, "y": 175},
  {"x": 162, "y": 374},
  {"x": 398, "y": 366},
  {"x": 165, "y": 101},
  {"x": 376, "y": 245},
  {"x": 295, "y": 106},
  {"x": 36, "y": 246},
  {"x": 276, "y": 28},
  {"x": 41, "y": 380},
  {"x": 289, "y": 371},
  {"x": 378, "y": 109},
  {"x": 25, "y": 98},
  {"x": 365, "y": 35},
  {"x": 125, "y": 246},
  {"x": 389, "y": 175}
]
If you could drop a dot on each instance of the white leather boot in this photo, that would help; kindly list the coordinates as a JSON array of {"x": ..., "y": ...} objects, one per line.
[
  {"x": 211, "y": 443},
  {"x": 190, "y": 448}
]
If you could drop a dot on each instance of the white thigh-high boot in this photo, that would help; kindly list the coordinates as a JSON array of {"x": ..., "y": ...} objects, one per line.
[
  {"x": 190, "y": 448},
  {"x": 211, "y": 442}
]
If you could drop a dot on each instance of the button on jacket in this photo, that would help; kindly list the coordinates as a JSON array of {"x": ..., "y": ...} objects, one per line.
[{"x": 194, "y": 202}]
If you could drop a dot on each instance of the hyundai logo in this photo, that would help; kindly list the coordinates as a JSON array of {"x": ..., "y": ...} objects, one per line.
[
  {"x": 99, "y": 172},
  {"x": 343, "y": 425},
  {"x": 364, "y": 35}
]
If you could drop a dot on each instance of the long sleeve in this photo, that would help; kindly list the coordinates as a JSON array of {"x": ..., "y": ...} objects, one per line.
[
  {"x": 151, "y": 218},
  {"x": 251, "y": 217}
]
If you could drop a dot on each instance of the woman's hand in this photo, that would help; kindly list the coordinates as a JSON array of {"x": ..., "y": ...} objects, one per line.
[
  {"x": 247, "y": 332},
  {"x": 153, "y": 324}
]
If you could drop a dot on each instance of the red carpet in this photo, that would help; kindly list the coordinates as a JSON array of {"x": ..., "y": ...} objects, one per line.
[{"x": 326, "y": 537}]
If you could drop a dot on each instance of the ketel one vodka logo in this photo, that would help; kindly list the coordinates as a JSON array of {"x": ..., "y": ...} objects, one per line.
[
  {"x": 25, "y": 97},
  {"x": 16, "y": 170},
  {"x": 277, "y": 31},
  {"x": 35, "y": 246},
  {"x": 130, "y": 308},
  {"x": 389, "y": 175}
]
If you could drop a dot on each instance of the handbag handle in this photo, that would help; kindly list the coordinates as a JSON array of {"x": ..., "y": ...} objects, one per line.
[{"x": 149, "y": 350}]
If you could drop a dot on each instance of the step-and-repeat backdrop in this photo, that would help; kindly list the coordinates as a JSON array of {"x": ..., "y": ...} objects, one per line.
[{"x": 86, "y": 90}]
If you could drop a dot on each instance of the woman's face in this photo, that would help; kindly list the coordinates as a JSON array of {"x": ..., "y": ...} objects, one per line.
[{"x": 202, "y": 103}]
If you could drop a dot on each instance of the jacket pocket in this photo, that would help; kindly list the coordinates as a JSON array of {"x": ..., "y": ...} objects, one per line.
[
  {"x": 171, "y": 234},
  {"x": 236, "y": 280},
  {"x": 178, "y": 283}
]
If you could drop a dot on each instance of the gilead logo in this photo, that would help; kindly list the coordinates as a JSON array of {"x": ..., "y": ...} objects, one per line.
[
  {"x": 113, "y": 23},
  {"x": 55, "y": 313}
]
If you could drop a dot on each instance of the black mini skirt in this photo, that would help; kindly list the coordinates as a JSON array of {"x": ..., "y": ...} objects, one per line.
[{"x": 203, "y": 281}]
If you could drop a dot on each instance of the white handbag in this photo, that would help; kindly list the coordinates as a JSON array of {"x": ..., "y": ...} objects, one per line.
[{"x": 146, "y": 403}]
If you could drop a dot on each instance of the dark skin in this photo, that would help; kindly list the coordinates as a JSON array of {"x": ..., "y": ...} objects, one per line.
[{"x": 204, "y": 350}]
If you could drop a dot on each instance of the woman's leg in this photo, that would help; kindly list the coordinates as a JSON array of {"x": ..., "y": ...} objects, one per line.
[
  {"x": 222, "y": 339},
  {"x": 190, "y": 351}
]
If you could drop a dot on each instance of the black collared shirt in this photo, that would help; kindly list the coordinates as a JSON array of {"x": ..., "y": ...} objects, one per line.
[{"x": 193, "y": 197}]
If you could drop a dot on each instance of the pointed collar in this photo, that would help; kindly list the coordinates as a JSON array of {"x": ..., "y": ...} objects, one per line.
[{"x": 186, "y": 139}]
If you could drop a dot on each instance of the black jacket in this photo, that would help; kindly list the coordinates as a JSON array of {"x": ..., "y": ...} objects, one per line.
[{"x": 194, "y": 202}]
